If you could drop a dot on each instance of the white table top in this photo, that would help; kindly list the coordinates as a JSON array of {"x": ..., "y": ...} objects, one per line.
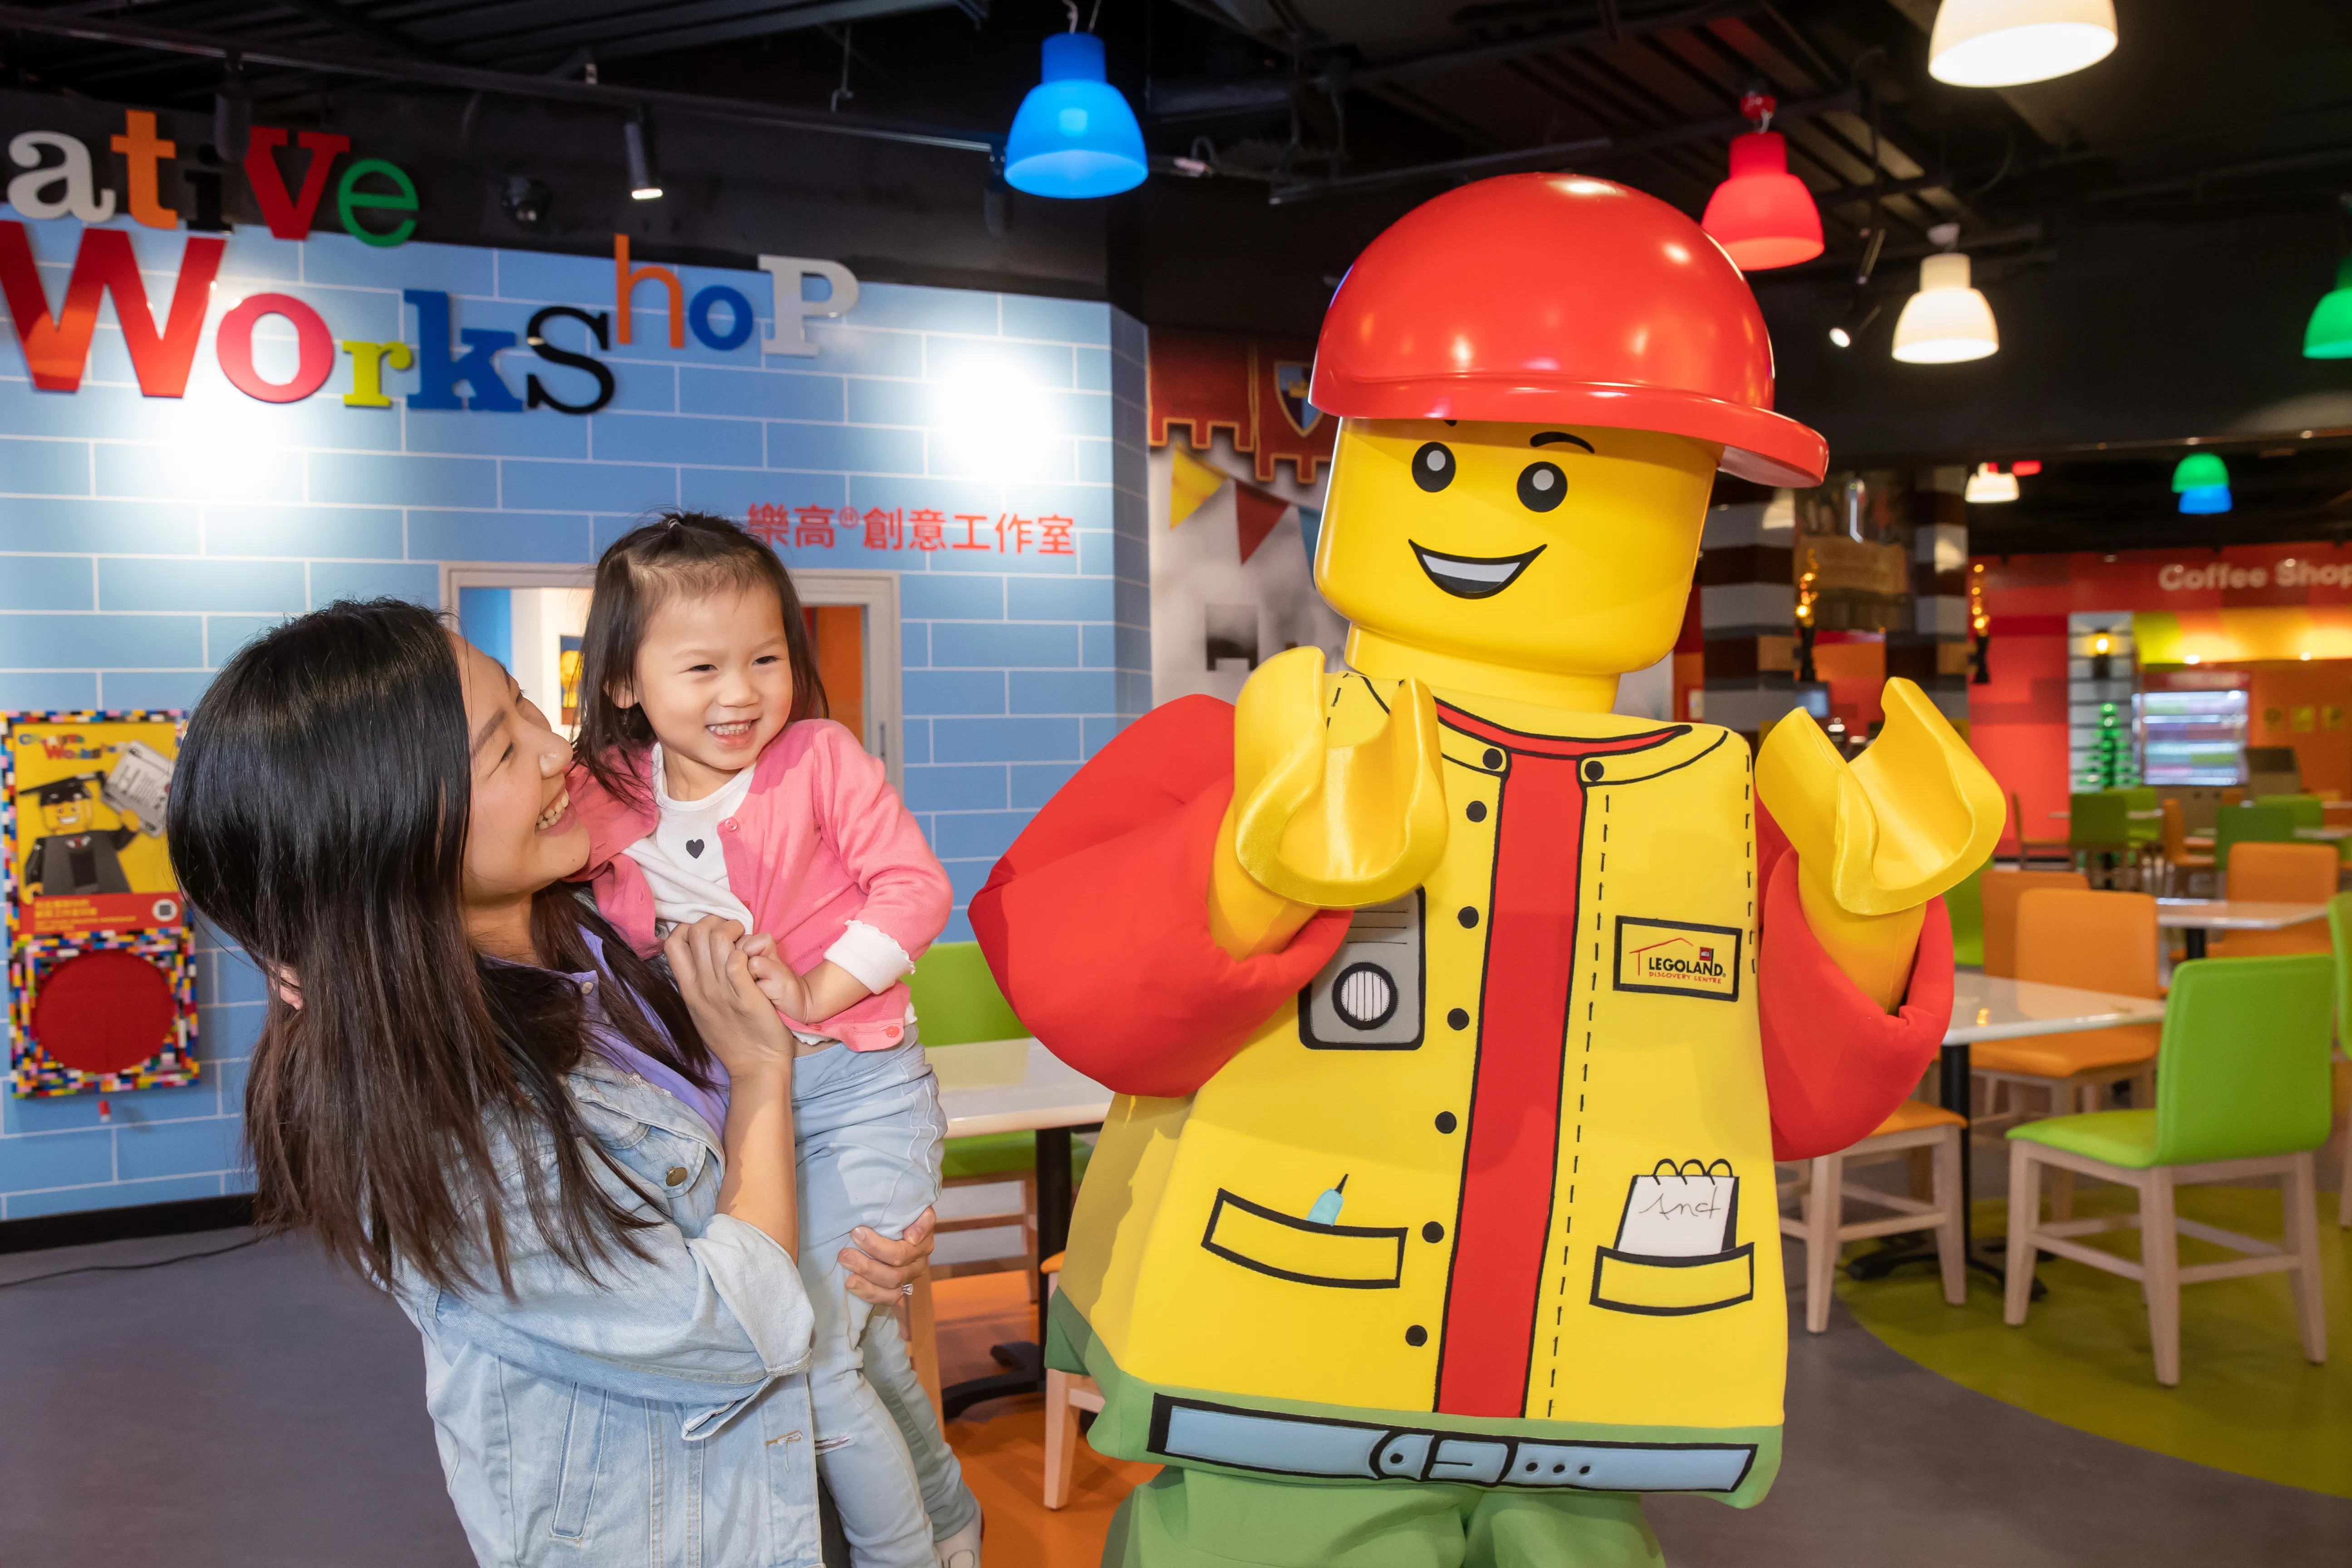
[
  {"x": 2325, "y": 835},
  {"x": 2224, "y": 914},
  {"x": 1012, "y": 1086},
  {"x": 1988, "y": 1008}
]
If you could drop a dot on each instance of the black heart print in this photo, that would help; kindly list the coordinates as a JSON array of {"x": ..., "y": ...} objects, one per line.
[{"x": 694, "y": 847}]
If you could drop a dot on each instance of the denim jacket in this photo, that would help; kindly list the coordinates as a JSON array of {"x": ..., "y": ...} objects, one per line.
[{"x": 656, "y": 1415}]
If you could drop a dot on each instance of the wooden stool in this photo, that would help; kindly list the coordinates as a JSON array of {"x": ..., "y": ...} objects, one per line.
[
  {"x": 1067, "y": 1393},
  {"x": 1913, "y": 1125}
]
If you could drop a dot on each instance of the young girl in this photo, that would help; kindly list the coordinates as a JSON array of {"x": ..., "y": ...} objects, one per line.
[{"x": 713, "y": 784}]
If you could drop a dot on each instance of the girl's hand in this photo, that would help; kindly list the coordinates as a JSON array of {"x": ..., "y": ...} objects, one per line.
[
  {"x": 785, "y": 990},
  {"x": 880, "y": 1269},
  {"x": 736, "y": 1021}
]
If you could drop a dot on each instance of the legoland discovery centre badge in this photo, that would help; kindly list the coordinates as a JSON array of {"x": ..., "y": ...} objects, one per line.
[{"x": 1675, "y": 958}]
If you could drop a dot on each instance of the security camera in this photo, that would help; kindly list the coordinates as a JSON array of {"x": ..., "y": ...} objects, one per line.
[{"x": 526, "y": 200}]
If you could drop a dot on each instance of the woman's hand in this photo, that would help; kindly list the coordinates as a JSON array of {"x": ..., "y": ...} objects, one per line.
[
  {"x": 880, "y": 1269},
  {"x": 738, "y": 1022}
]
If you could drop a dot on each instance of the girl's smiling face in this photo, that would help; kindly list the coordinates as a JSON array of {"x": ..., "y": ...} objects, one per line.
[
  {"x": 714, "y": 677},
  {"x": 521, "y": 834}
]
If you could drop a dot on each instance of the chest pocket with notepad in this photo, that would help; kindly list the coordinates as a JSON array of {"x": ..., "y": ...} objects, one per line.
[{"x": 1368, "y": 996}]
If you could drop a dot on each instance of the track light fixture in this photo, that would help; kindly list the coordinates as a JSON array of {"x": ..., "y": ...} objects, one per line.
[
  {"x": 232, "y": 113},
  {"x": 644, "y": 185}
]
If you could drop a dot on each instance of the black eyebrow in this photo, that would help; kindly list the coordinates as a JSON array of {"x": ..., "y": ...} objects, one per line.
[
  {"x": 1546, "y": 438},
  {"x": 482, "y": 735}
]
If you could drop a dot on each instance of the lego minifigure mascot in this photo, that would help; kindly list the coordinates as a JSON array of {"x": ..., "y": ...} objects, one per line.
[{"x": 1457, "y": 1021}]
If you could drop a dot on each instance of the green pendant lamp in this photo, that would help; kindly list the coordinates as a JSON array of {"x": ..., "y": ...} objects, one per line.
[{"x": 2329, "y": 333}]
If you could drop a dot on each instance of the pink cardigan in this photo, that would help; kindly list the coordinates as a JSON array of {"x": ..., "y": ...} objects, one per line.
[{"x": 821, "y": 840}]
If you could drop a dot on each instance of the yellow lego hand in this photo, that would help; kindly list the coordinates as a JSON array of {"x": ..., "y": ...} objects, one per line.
[
  {"x": 1317, "y": 825},
  {"x": 1877, "y": 841}
]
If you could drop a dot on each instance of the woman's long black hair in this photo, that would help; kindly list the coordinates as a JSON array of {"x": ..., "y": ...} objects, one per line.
[{"x": 318, "y": 818}]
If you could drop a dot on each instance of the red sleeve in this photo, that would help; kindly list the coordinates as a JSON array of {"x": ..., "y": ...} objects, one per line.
[
  {"x": 1096, "y": 920},
  {"x": 1834, "y": 1065}
]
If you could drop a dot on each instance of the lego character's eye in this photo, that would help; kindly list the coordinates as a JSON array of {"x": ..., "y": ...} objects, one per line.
[
  {"x": 1542, "y": 487},
  {"x": 1432, "y": 466}
]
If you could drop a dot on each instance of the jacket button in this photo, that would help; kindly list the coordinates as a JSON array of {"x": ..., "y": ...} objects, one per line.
[
  {"x": 676, "y": 1174},
  {"x": 1432, "y": 1231},
  {"x": 1475, "y": 811},
  {"x": 728, "y": 825},
  {"x": 1592, "y": 770},
  {"x": 1445, "y": 1122},
  {"x": 1469, "y": 917},
  {"x": 1457, "y": 1018},
  {"x": 1494, "y": 759},
  {"x": 1416, "y": 1336}
]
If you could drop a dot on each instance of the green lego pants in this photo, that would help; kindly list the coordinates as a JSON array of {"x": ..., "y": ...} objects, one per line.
[{"x": 1204, "y": 1519}]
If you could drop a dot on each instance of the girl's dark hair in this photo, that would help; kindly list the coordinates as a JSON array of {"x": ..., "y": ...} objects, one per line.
[
  {"x": 677, "y": 552},
  {"x": 318, "y": 818}
]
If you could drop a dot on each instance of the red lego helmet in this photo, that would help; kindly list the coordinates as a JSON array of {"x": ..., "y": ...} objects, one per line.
[{"x": 1560, "y": 297}]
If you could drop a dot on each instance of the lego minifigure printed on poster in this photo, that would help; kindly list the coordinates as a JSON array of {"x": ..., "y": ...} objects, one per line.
[{"x": 101, "y": 980}]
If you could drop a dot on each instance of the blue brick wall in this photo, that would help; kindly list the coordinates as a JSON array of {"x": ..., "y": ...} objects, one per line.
[{"x": 142, "y": 541}]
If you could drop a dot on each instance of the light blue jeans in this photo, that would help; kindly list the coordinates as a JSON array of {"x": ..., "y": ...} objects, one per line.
[{"x": 869, "y": 1131}]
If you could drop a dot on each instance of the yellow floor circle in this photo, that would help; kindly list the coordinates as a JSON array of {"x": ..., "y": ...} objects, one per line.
[{"x": 2247, "y": 1401}]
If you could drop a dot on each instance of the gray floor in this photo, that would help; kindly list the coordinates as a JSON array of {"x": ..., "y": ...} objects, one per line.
[{"x": 258, "y": 1411}]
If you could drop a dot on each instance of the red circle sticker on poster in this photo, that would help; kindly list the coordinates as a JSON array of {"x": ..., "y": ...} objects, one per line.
[{"x": 103, "y": 1012}]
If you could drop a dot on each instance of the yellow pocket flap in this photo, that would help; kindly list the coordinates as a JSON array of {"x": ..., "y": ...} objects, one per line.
[
  {"x": 1672, "y": 1287},
  {"x": 1348, "y": 1256}
]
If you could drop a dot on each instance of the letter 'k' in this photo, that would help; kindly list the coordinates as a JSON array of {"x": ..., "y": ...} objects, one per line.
[{"x": 439, "y": 376}]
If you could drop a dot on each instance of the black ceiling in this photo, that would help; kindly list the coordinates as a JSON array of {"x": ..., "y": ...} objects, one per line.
[{"x": 1346, "y": 112}]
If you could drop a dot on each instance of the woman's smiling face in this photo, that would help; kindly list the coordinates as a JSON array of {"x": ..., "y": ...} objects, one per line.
[{"x": 522, "y": 833}]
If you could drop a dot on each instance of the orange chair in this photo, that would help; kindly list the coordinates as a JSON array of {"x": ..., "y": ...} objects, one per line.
[
  {"x": 2233, "y": 797},
  {"x": 2000, "y": 891},
  {"x": 2179, "y": 860},
  {"x": 2098, "y": 941},
  {"x": 2279, "y": 873},
  {"x": 2032, "y": 849}
]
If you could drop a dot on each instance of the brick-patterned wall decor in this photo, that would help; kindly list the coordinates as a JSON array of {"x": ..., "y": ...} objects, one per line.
[{"x": 142, "y": 539}]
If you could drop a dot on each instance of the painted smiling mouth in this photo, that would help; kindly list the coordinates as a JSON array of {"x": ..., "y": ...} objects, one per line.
[{"x": 1474, "y": 576}]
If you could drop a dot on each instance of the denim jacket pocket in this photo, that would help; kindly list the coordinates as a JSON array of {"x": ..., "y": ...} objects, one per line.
[{"x": 582, "y": 1464}]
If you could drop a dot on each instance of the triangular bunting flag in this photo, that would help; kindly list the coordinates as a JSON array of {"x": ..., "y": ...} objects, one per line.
[
  {"x": 1189, "y": 483},
  {"x": 1255, "y": 513}
]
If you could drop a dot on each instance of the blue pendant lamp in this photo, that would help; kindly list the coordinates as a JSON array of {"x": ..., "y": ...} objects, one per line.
[
  {"x": 1075, "y": 136},
  {"x": 2202, "y": 483}
]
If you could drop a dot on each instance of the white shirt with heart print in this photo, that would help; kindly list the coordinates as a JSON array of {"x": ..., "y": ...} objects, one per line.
[{"x": 681, "y": 857}]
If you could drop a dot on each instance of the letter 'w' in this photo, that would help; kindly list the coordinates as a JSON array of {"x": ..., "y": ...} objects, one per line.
[{"x": 56, "y": 350}]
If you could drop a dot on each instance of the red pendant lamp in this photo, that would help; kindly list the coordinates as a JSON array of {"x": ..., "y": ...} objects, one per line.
[{"x": 1762, "y": 214}]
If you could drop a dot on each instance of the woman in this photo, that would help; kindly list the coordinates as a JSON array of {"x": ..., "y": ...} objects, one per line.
[{"x": 575, "y": 1177}]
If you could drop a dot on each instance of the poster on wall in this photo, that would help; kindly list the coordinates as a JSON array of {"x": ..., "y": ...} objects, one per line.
[
  {"x": 1239, "y": 463},
  {"x": 100, "y": 975}
]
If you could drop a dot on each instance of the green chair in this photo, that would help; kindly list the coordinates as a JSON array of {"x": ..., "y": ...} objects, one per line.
[
  {"x": 1963, "y": 901},
  {"x": 957, "y": 1003},
  {"x": 2305, "y": 810},
  {"x": 956, "y": 998},
  {"x": 2339, "y": 928},
  {"x": 2241, "y": 1091},
  {"x": 2250, "y": 825},
  {"x": 2098, "y": 831}
]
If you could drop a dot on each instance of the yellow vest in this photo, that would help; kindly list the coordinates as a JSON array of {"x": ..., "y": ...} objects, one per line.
[{"x": 1504, "y": 1167}]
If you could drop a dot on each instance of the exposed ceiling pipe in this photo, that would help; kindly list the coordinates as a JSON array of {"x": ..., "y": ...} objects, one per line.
[
  {"x": 508, "y": 84},
  {"x": 1589, "y": 154}
]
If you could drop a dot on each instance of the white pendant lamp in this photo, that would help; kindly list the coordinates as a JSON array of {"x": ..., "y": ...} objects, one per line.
[
  {"x": 1990, "y": 487},
  {"x": 1946, "y": 321},
  {"x": 2001, "y": 43}
]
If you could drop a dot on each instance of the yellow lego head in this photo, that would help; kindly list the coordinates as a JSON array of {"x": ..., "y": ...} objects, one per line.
[{"x": 1553, "y": 548}]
